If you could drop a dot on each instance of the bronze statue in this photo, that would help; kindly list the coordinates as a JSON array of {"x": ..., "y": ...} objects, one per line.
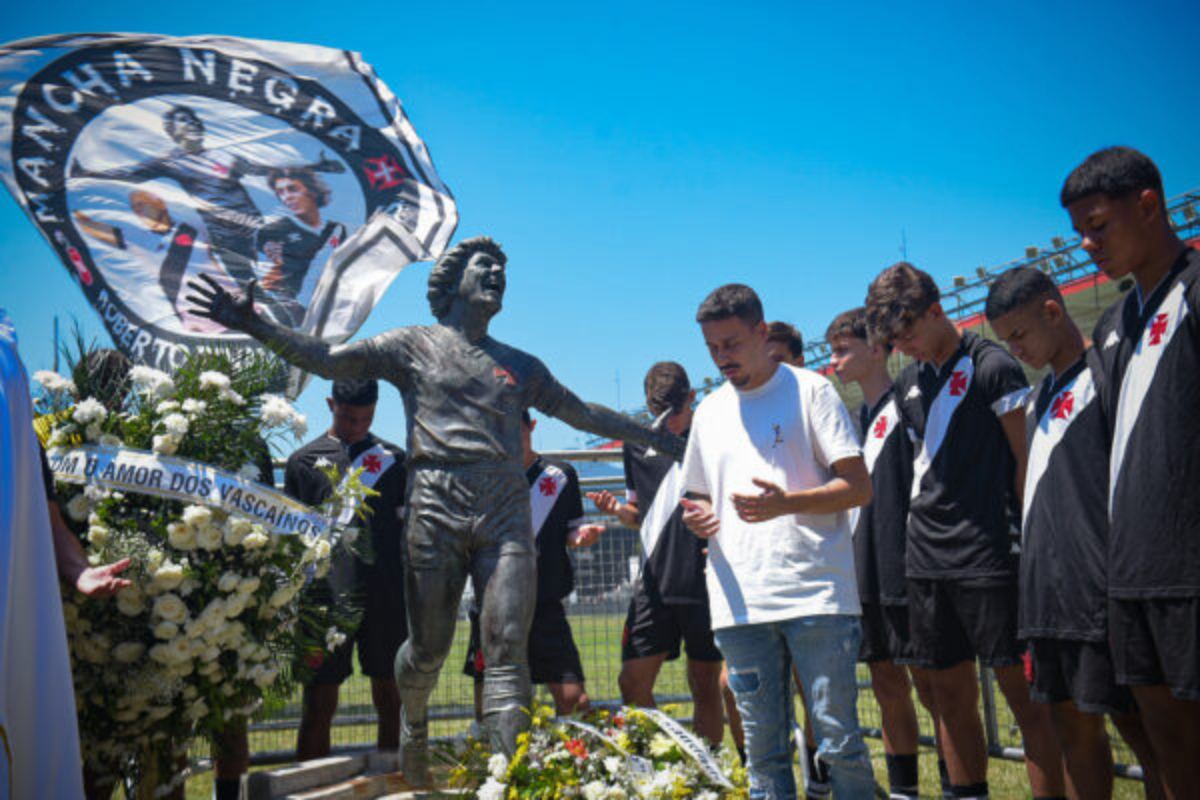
[{"x": 468, "y": 505}]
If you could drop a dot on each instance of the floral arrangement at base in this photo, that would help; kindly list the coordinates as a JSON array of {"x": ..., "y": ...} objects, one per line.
[
  {"x": 626, "y": 754},
  {"x": 211, "y": 626}
]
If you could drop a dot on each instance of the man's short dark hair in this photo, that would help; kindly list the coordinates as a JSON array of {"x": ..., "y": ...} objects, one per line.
[
  {"x": 667, "y": 388},
  {"x": 731, "y": 300},
  {"x": 1115, "y": 172},
  {"x": 852, "y": 323},
  {"x": 1017, "y": 287},
  {"x": 447, "y": 272},
  {"x": 352, "y": 392},
  {"x": 897, "y": 298},
  {"x": 169, "y": 118},
  {"x": 786, "y": 334},
  {"x": 319, "y": 190}
]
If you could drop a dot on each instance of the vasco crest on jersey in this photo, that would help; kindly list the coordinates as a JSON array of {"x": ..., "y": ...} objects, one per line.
[{"x": 147, "y": 161}]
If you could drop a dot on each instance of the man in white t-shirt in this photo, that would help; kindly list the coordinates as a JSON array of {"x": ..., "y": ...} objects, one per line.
[{"x": 772, "y": 467}]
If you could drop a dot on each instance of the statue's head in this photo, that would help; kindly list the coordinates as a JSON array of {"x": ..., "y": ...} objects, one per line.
[
  {"x": 184, "y": 126},
  {"x": 473, "y": 271}
]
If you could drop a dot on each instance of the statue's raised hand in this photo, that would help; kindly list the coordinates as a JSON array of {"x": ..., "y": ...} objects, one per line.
[{"x": 235, "y": 311}]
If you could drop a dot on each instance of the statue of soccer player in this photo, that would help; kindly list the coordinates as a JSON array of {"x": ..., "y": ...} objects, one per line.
[{"x": 468, "y": 509}]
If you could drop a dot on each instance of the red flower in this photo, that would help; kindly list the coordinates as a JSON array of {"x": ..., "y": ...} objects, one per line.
[
  {"x": 577, "y": 748},
  {"x": 314, "y": 659},
  {"x": 619, "y": 721}
]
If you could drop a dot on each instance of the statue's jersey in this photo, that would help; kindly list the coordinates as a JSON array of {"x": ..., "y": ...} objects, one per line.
[{"x": 463, "y": 401}]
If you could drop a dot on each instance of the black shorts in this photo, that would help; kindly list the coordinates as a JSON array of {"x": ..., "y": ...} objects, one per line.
[
  {"x": 380, "y": 633},
  {"x": 653, "y": 627},
  {"x": 885, "y": 635},
  {"x": 553, "y": 656},
  {"x": 1157, "y": 642},
  {"x": 952, "y": 621},
  {"x": 1079, "y": 672}
]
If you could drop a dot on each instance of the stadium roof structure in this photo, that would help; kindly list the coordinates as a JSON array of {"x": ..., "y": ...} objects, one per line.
[{"x": 1086, "y": 290}]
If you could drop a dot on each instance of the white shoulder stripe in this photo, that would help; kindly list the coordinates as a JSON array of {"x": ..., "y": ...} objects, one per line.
[
  {"x": 937, "y": 422},
  {"x": 1011, "y": 401},
  {"x": 1139, "y": 376},
  {"x": 881, "y": 426},
  {"x": 543, "y": 494}
]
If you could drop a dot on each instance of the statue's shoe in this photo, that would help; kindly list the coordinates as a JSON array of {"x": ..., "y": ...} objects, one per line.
[{"x": 414, "y": 757}]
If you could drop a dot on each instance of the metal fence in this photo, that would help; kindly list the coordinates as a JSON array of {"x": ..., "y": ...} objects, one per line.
[{"x": 596, "y": 610}]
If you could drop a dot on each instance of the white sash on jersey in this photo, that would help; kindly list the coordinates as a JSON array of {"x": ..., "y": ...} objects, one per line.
[
  {"x": 543, "y": 494},
  {"x": 874, "y": 437},
  {"x": 666, "y": 500},
  {"x": 1063, "y": 409},
  {"x": 1139, "y": 374},
  {"x": 941, "y": 411},
  {"x": 374, "y": 462}
]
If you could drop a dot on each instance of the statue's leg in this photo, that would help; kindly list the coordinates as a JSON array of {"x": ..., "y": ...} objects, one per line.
[
  {"x": 435, "y": 572},
  {"x": 505, "y": 567}
]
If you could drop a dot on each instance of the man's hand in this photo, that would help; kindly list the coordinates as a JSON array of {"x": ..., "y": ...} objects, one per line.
[
  {"x": 102, "y": 581},
  {"x": 585, "y": 535},
  {"x": 607, "y": 503},
  {"x": 212, "y": 301},
  {"x": 770, "y": 503},
  {"x": 699, "y": 518}
]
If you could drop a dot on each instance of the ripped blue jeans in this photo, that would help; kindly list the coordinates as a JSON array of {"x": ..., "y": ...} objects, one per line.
[{"x": 824, "y": 650}]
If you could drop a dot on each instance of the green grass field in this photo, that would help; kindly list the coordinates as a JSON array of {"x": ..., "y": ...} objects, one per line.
[{"x": 598, "y": 638}]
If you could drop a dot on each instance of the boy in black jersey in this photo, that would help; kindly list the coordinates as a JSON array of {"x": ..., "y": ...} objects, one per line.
[
  {"x": 962, "y": 402},
  {"x": 558, "y": 524},
  {"x": 670, "y": 600},
  {"x": 879, "y": 544},
  {"x": 1149, "y": 348},
  {"x": 1064, "y": 531},
  {"x": 349, "y": 444}
]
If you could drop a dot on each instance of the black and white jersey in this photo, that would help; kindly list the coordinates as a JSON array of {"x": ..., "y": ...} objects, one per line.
[
  {"x": 1064, "y": 530},
  {"x": 302, "y": 248},
  {"x": 674, "y": 569},
  {"x": 963, "y": 467},
  {"x": 880, "y": 529},
  {"x": 383, "y": 471},
  {"x": 557, "y": 507},
  {"x": 1151, "y": 359}
]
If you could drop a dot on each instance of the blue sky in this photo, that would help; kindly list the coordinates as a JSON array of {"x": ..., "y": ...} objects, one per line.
[{"x": 633, "y": 156}]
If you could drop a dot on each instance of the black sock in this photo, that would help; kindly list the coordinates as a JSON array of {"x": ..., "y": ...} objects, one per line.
[
  {"x": 817, "y": 769},
  {"x": 227, "y": 788},
  {"x": 944, "y": 772},
  {"x": 902, "y": 776},
  {"x": 975, "y": 791},
  {"x": 742, "y": 755},
  {"x": 1050, "y": 797}
]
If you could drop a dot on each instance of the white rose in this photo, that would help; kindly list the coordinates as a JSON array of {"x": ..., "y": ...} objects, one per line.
[
  {"x": 175, "y": 424},
  {"x": 93, "y": 432},
  {"x": 275, "y": 412},
  {"x": 350, "y": 535},
  {"x": 497, "y": 765},
  {"x": 168, "y": 576},
  {"x": 492, "y": 789},
  {"x": 236, "y": 604},
  {"x": 594, "y": 790},
  {"x": 322, "y": 549},
  {"x": 188, "y": 586},
  {"x": 266, "y": 676},
  {"x": 128, "y": 652},
  {"x": 109, "y": 440},
  {"x": 166, "y": 630},
  {"x": 98, "y": 535},
  {"x": 248, "y": 472},
  {"x": 197, "y": 515},
  {"x": 53, "y": 382},
  {"x": 249, "y": 585},
  {"x": 89, "y": 411},
  {"x": 180, "y": 536},
  {"x": 181, "y": 649},
  {"x": 209, "y": 537},
  {"x": 230, "y": 396},
  {"x": 166, "y": 407},
  {"x": 170, "y": 608},
  {"x": 256, "y": 539},
  {"x": 77, "y": 507},
  {"x": 131, "y": 601},
  {"x": 165, "y": 444},
  {"x": 211, "y": 379},
  {"x": 194, "y": 406},
  {"x": 334, "y": 639},
  {"x": 160, "y": 653},
  {"x": 322, "y": 463},
  {"x": 299, "y": 425},
  {"x": 613, "y": 765},
  {"x": 229, "y": 582}
]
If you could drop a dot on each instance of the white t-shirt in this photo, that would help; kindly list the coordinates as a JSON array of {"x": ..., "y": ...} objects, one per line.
[{"x": 787, "y": 431}]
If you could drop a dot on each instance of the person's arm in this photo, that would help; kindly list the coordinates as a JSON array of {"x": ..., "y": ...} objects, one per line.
[
  {"x": 357, "y": 360},
  {"x": 73, "y": 566},
  {"x": 607, "y": 503},
  {"x": 850, "y": 487},
  {"x": 134, "y": 173},
  {"x": 1014, "y": 430},
  {"x": 698, "y": 516}
]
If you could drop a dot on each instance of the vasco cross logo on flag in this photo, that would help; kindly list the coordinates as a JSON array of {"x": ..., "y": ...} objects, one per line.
[{"x": 148, "y": 161}]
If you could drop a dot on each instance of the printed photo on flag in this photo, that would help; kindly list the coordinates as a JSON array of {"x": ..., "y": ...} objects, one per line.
[{"x": 147, "y": 161}]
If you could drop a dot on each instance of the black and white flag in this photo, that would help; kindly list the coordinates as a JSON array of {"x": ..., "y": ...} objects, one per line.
[{"x": 148, "y": 160}]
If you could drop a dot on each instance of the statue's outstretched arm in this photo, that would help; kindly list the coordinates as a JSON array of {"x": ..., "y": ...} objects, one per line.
[
  {"x": 603, "y": 421},
  {"x": 306, "y": 352}
]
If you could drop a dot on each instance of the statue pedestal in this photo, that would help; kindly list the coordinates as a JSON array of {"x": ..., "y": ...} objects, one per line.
[{"x": 364, "y": 776}]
